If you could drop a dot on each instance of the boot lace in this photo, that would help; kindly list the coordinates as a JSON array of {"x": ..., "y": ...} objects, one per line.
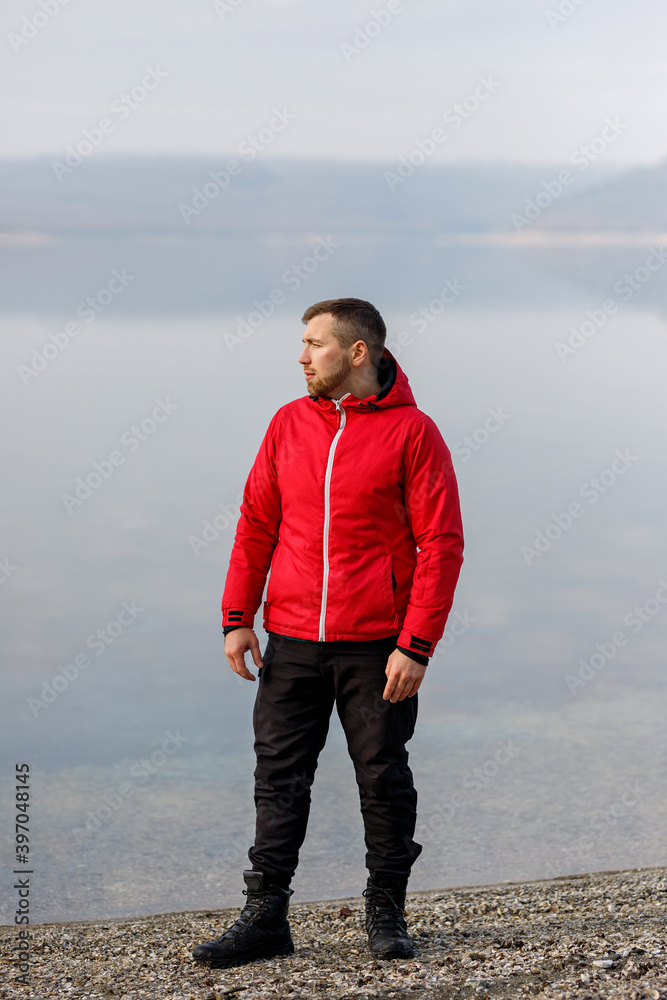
[
  {"x": 253, "y": 909},
  {"x": 385, "y": 914}
]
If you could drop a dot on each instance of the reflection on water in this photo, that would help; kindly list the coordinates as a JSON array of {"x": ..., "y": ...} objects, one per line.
[{"x": 128, "y": 449}]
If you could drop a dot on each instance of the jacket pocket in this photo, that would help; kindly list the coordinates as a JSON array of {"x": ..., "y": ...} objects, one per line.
[
  {"x": 396, "y": 598},
  {"x": 389, "y": 588},
  {"x": 273, "y": 575}
]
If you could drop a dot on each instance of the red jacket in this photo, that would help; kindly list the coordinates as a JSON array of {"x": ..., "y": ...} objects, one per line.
[{"x": 353, "y": 506}]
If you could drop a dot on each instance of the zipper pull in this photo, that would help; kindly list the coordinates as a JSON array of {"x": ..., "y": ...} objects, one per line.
[{"x": 339, "y": 401}]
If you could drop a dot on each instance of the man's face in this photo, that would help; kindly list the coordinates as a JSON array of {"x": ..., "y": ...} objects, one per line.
[{"x": 325, "y": 363}]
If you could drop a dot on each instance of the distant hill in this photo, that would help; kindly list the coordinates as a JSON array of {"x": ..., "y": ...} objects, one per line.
[
  {"x": 64, "y": 238},
  {"x": 634, "y": 201},
  {"x": 134, "y": 195}
]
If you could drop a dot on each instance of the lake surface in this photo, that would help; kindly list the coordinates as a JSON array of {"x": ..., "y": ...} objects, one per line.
[{"x": 540, "y": 746}]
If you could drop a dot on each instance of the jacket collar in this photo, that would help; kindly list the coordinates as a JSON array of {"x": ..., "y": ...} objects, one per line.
[{"x": 394, "y": 389}]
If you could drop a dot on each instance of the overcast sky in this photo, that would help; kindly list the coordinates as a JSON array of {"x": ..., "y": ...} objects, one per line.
[{"x": 222, "y": 66}]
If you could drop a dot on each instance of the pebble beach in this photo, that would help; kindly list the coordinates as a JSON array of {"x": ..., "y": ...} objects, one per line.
[{"x": 587, "y": 936}]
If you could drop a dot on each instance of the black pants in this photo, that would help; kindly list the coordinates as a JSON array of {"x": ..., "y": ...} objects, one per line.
[{"x": 297, "y": 688}]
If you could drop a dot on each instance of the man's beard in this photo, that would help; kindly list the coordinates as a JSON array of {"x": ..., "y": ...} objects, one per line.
[{"x": 324, "y": 385}]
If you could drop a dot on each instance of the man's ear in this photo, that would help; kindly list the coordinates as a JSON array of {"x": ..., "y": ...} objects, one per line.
[{"x": 360, "y": 352}]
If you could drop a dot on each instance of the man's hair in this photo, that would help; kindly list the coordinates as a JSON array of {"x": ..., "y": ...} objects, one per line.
[{"x": 355, "y": 319}]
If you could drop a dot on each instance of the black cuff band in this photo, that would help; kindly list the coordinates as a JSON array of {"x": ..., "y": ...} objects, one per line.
[
  {"x": 414, "y": 656},
  {"x": 230, "y": 628}
]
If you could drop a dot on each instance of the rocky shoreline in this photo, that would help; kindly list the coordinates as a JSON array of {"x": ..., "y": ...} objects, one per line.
[{"x": 585, "y": 936}]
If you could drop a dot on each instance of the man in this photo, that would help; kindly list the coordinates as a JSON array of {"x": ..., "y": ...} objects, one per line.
[{"x": 352, "y": 504}]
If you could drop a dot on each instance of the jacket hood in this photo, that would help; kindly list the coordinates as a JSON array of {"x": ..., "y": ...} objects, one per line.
[{"x": 394, "y": 388}]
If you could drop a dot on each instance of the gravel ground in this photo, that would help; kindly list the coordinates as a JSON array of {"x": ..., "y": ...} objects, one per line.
[{"x": 586, "y": 936}]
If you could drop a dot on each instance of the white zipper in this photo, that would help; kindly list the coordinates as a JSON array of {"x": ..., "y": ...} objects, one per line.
[{"x": 327, "y": 511}]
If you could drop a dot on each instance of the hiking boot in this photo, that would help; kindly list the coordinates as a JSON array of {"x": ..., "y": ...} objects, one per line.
[
  {"x": 385, "y": 919},
  {"x": 261, "y": 930}
]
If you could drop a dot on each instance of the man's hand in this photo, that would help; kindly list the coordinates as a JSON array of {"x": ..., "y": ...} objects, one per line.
[
  {"x": 404, "y": 676},
  {"x": 237, "y": 643}
]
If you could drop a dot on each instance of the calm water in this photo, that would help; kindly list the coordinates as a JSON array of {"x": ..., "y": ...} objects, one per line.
[{"x": 527, "y": 763}]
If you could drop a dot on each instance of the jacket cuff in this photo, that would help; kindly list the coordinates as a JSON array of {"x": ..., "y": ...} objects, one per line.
[
  {"x": 414, "y": 656},
  {"x": 415, "y": 643},
  {"x": 230, "y": 628},
  {"x": 238, "y": 616}
]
